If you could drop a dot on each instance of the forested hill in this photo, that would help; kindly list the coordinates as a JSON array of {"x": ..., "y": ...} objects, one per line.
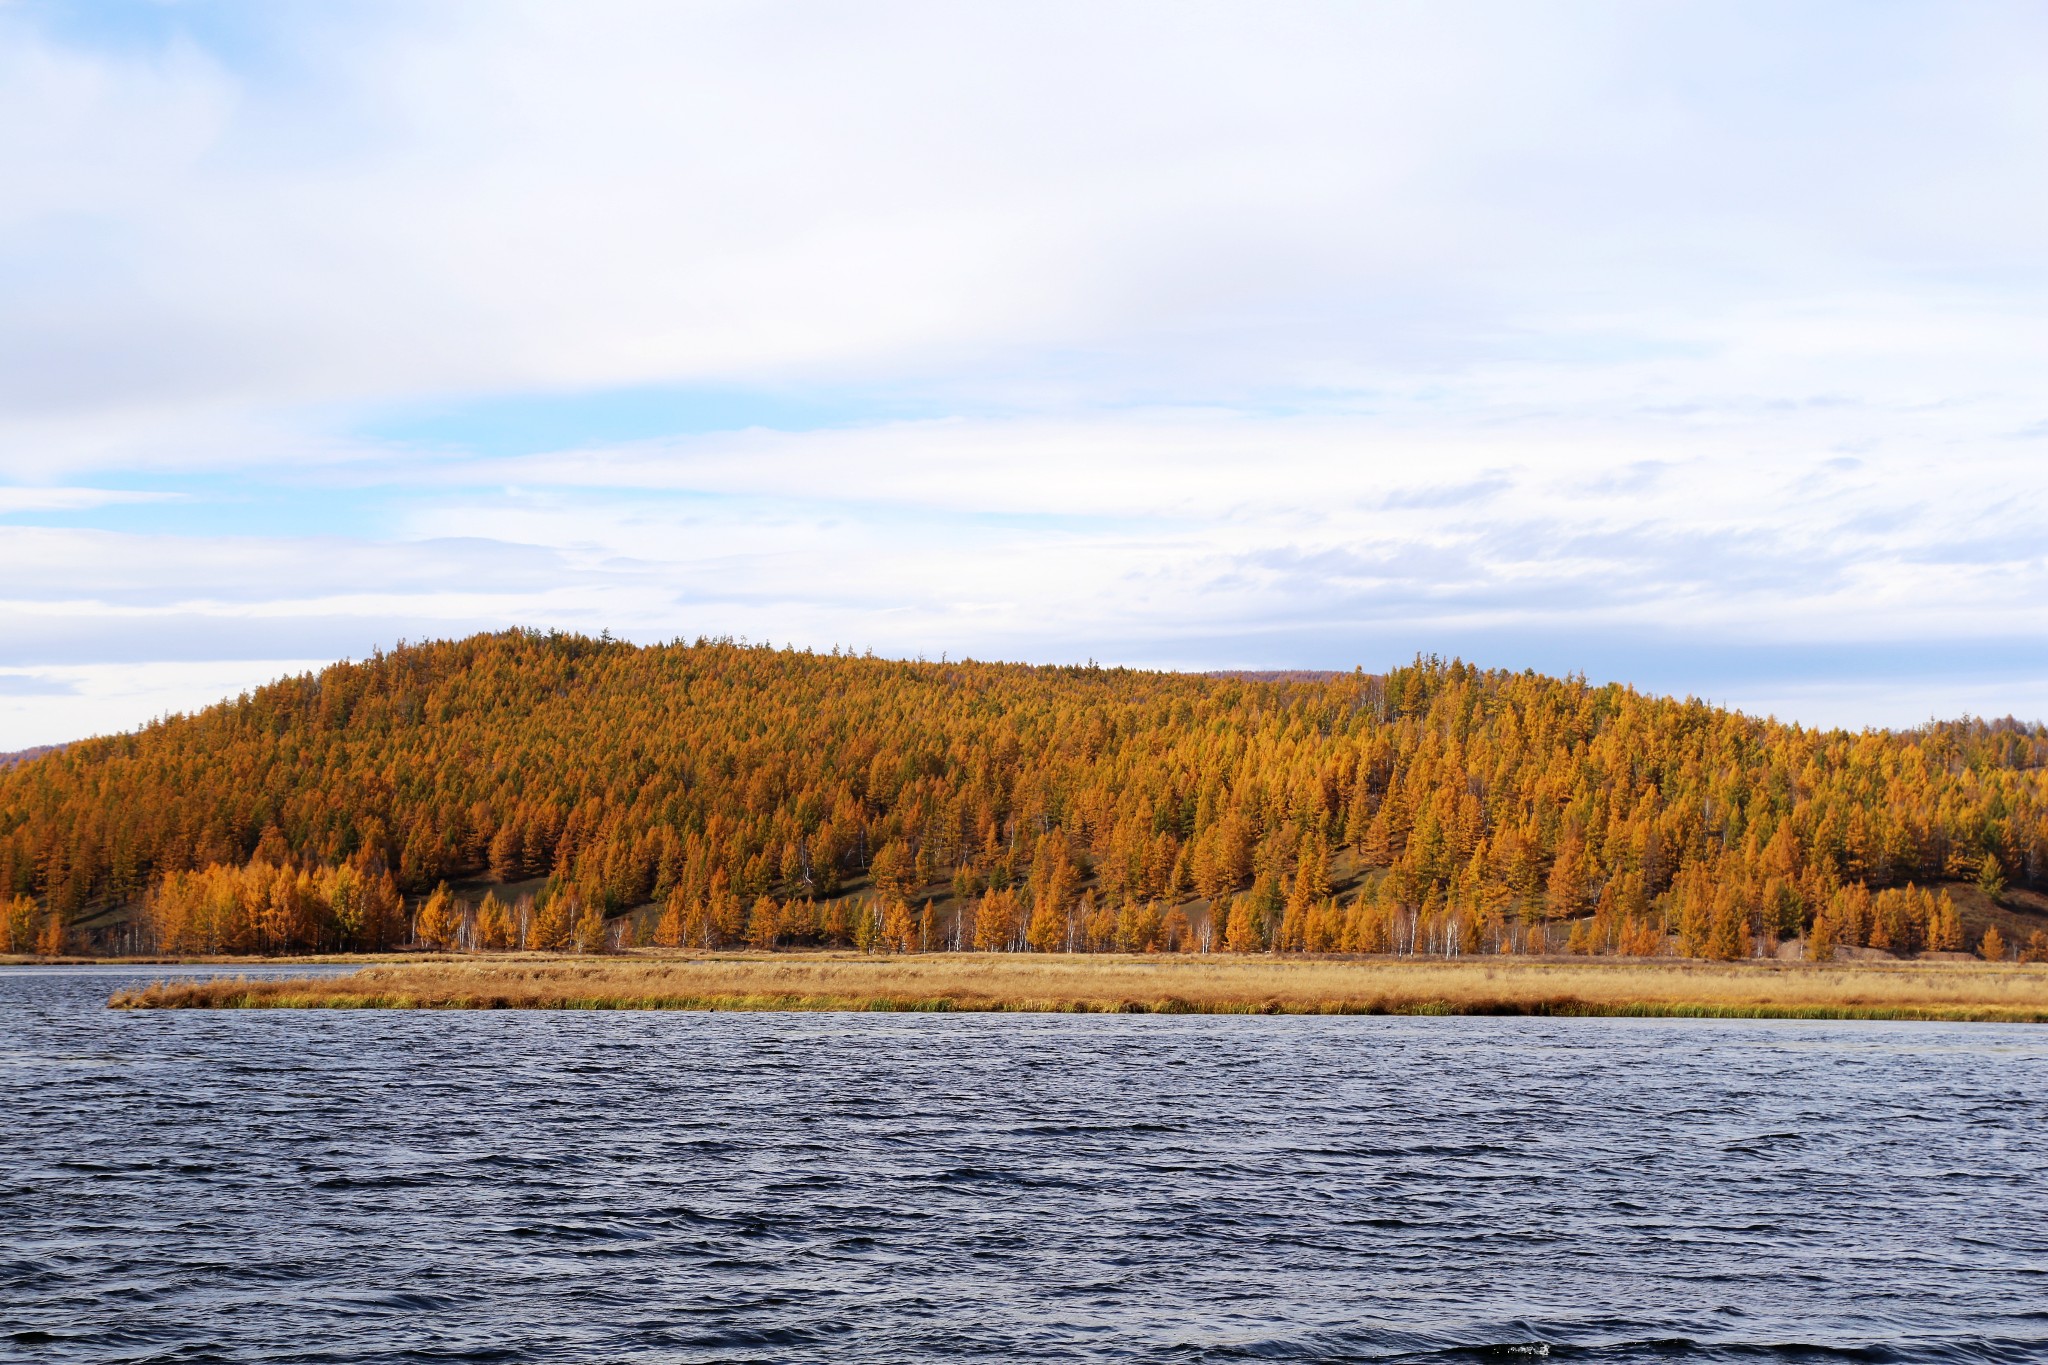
[{"x": 714, "y": 774}]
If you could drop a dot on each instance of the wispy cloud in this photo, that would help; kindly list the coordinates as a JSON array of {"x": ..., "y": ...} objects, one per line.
[{"x": 19, "y": 499}]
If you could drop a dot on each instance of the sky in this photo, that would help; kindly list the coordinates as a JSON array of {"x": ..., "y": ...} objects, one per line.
[{"x": 1701, "y": 347}]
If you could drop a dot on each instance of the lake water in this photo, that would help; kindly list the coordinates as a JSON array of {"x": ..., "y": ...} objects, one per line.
[{"x": 680, "y": 1187}]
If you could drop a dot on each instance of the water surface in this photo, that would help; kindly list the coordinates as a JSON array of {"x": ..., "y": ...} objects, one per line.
[{"x": 357, "y": 1187}]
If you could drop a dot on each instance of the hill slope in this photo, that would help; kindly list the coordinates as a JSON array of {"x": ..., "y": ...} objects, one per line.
[{"x": 1471, "y": 810}]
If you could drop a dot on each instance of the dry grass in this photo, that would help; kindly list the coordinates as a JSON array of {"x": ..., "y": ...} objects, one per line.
[{"x": 1191, "y": 985}]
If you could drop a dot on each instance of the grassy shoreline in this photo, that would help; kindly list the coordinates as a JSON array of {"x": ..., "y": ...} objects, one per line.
[{"x": 1054, "y": 983}]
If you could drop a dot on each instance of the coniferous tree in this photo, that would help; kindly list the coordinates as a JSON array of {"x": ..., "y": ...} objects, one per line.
[
  {"x": 593, "y": 935},
  {"x": 437, "y": 923},
  {"x": 494, "y": 930},
  {"x": 53, "y": 938},
  {"x": 554, "y": 922},
  {"x": 1991, "y": 877}
]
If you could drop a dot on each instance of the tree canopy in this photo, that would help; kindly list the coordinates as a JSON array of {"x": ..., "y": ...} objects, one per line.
[{"x": 1065, "y": 807}]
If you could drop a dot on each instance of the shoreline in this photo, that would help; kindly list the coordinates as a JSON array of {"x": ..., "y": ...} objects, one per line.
[
  {"x": 1860, "y": 959},
  {"x": 1100, "y": 983}
]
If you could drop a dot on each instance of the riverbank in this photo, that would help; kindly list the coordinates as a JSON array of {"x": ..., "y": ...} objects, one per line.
[{"x": 1164, "y": 984}]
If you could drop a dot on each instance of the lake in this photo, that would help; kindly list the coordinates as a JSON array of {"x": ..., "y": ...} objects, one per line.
[{"x": 357, "y": 1187}]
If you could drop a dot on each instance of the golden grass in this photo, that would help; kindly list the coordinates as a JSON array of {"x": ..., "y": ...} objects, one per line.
[{"x": 1165, "y": 985}]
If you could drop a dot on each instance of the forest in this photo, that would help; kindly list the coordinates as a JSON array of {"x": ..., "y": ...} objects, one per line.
[{"x": 553, "y": 791}]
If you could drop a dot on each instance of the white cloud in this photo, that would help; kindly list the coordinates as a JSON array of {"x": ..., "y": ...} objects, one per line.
[
  {"x": 496, "y": 197},
  {"x": 55, "y": 704},
  {"x": 1323, "y": 329},
  {"x": 48, "y": 499},
  {"x": 1140, "y": 539}
]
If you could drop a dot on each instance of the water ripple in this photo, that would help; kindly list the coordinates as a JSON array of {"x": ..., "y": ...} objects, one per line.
[{"x": 673, "y": 1187}]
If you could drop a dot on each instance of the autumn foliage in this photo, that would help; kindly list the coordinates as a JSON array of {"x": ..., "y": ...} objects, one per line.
[{"x": 740, "y": 794}]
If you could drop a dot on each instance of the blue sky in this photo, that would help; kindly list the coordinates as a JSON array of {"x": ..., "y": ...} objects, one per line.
[{"x": 1696, "y": 346}]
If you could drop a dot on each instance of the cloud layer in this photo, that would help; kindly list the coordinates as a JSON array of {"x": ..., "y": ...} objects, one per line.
[{"x": 1697, "y": 346}]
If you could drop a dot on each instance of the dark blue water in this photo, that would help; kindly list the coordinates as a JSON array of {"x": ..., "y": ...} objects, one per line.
[{"x": 680, "y": 1187}]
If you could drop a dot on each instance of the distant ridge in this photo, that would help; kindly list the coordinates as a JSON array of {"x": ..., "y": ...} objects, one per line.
[
  {"x": 1278, "y": 674},
  {"x": 24, "y": 755}
]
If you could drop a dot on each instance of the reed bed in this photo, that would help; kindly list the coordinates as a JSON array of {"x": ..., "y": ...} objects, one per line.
[{"x": 1156, "y": 985}]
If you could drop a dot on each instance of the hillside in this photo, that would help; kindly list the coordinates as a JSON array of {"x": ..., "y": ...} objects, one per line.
[{"x": 783, "y": 797}]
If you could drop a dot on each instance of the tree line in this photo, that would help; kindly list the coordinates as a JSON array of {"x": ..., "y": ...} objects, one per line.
[{"x": 729, "y": 795}]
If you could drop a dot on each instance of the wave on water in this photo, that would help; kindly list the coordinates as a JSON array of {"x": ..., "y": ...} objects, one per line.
[{"x": 368, "y": 1187}]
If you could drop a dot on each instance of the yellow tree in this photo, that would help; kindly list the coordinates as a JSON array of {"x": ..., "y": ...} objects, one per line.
[
  {"x": 438, "y": 922},
  {"x": 55, "y": 938},
  {"x": 893, "y": 870},
  {"x": 593, "y": 935},
  {"x": 554, "y": 921},
  {"x": 1822, "y": 938},
  {"x": 493, "y": 924},
  {"x": 1566, "y": 890},
  {"x": 1728, "y": 940},
  {"x": 1047, "y": 931},
  {"x": 996, "y": 921},
  {"x": 899, "y": 928},
  {"x": 1242, "y": 930},
  {"x": 764, "y": 923},
  {"x": 18, "y": 923},
  {"x": 668, "y": 933}
]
